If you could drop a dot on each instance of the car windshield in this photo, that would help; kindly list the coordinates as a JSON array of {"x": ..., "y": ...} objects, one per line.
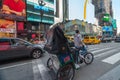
[
  {"x": 86, "y": 37},
  {"x": 92, "y": 37}
]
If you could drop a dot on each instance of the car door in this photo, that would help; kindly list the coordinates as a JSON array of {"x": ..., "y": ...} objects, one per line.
[
  {"x": 21, "y": 48},
  {"x": 5, "y": 49}
]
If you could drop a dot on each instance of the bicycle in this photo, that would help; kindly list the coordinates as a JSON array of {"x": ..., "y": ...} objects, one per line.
[
  {"x": 84, "y": 56},
  {"x": 66, "y": 70}
]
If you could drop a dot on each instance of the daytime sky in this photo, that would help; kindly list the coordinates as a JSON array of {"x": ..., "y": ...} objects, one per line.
[{"x": 76, "y": 8}]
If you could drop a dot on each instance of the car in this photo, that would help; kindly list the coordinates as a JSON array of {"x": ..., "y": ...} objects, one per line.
[
  {"x": 70, "y": 37},
  {"x": 106, "y": 39},
  {"x": 91, "y": 40},
  {"x": 16, "y": 47},
  {"x": 117, "y": 39}
]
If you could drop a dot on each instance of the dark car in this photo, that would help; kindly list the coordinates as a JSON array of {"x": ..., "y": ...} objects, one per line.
[
  {"x": 117, "y": 39},
  {"x": 15, "y": 47}
]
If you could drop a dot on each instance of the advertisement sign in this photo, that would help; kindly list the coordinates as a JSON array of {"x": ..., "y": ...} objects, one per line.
[
  {"x": 7, "y": 26},
  {"x": 114, "y": 23},
  {"x": 13, "y": 10},
  {"x": 7, "y": 30},
  {"x": 41, "y": 8},
  {"x": 38, "y": 13},
  {"x": 106, "y": 18},
  {"x": 107, "y": 28}
]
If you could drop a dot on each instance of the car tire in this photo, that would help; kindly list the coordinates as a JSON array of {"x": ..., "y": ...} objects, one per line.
[{"x": 37, "y": 53}]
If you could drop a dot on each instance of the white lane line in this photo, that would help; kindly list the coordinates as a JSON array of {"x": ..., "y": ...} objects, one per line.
[
  {"x": 113, "y": 74},
  {"x": 102, "y": 49},
  {"x": 15, "y": 65},
  {"x": 93, "y": 49},
  {"x": 43, "y": 71},
  {"x": 105, "y": 53},
  {"x": 112, "y": 59}
]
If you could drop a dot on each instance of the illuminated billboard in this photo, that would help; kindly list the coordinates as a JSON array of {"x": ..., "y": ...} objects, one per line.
[
  {"x": 106, "y": 18},
  {"x": 107, "y": 28},
  {"x": 38, "y": 13},
  {"x": 7, "y": 28},
  {"x": 13, "y": 10}
]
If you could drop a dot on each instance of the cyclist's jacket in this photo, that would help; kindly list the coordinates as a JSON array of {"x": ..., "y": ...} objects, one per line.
[{"x": 78, "y": 40}]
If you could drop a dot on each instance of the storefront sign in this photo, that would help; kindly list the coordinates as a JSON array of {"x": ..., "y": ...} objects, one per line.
[
  {"x": 7, "y": 30},
  {"x": 41, "y": 8}
]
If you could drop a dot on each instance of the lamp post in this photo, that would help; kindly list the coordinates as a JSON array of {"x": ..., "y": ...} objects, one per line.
[{"x": 41, "y": 3}]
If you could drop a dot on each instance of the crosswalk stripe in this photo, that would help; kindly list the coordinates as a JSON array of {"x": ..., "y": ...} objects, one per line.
[
  {"x": 101, "y": 50},
  {"x": 112, "y": 59},
  {"x": 93, "y": 49},
  {"x": 105, "y": 53},
  {"x": 113, "y": 74}
]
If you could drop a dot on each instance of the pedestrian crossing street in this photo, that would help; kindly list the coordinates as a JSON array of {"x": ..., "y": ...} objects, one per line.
[{"x": 107, "y": 52}]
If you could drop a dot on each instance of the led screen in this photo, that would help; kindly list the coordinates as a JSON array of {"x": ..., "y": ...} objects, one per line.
[{"x": 13, "y": 10}]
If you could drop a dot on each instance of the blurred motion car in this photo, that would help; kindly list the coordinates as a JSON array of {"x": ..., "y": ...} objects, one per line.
[
  {"x": 70, "y": 37},
  {"x": 117, "y": 39},
  {"x": 91, "y": 40},
  {"x": 16, "y": 47}
]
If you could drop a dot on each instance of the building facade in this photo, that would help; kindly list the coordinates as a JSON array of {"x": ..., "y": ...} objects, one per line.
[
  {"x": 33, "y": 24},
  {"x": 39, "y": 18},
  {"x": 61, "y": 12},
  {"x": 102, "y": 7}
]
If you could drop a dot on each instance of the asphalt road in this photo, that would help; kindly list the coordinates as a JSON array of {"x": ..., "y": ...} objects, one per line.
[{"x": 106, "y": 66}]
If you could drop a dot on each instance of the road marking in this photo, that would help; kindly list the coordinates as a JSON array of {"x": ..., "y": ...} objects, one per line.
[
  {"x": 101, "y": 50},
  {"x": 93, "y": 49},
  {"x": 105, "y": 53},
  {"x": 112, "y": 59},
  {"x": 15, "y": 65},
  {"x": 113, "y": 74}
]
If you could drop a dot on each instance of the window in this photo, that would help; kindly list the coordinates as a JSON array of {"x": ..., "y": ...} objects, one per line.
[
  {"x": 92, "y": 37},
  {"x": 4, "y": 44},
  {"x": 86, "y": 37}
]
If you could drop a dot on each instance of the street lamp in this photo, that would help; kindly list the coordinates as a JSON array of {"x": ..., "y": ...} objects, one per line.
[{"x": 41, "y": 3}]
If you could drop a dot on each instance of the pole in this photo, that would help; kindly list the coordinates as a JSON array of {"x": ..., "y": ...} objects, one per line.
[
  {"x": 41, "y": 16},
  {"x": 41, "y": 3},
  {"x": 85, "y": 6}
]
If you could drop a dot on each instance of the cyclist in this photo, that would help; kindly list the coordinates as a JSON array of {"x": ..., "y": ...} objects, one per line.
[
  {"x": 58, "y": 42},
  {"x": 78, "y": 44}
]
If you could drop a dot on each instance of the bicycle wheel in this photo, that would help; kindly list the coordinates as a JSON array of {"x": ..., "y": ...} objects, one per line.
[
  {"x": 66, "y": 73},
  {"x": 88, "y": 58},
  {"x": 50, "y": 63}
]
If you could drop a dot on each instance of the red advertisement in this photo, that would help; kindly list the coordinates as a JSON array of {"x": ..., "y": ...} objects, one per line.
[{"x": 13, "y": 10}]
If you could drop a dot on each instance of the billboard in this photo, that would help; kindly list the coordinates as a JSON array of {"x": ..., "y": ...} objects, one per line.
[
  {"x": 114, "y": 23},
  {"x": 106, "y": 18},
  {"x": 13, "y": 10},
  {"x": 7, "y": 26},
  {"x": 107, "y": 28},
  {"x": 38, "y": 13}
]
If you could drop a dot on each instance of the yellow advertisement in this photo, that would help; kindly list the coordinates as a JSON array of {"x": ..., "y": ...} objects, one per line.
[{"x": 7, "y": 28}]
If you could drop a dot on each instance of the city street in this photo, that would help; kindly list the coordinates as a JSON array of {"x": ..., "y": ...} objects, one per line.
[{"x": 106, "y": 66}]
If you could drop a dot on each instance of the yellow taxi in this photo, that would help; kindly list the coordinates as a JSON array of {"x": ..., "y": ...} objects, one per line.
[
  {"x": 70, "y": 37},
  {"x": 91, "y": 40}
]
